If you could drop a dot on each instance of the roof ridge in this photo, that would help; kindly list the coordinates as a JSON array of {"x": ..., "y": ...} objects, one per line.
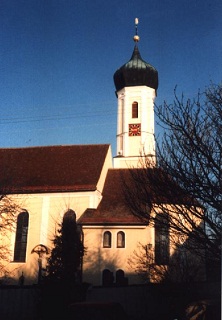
[{"x": 55, "y": 146}]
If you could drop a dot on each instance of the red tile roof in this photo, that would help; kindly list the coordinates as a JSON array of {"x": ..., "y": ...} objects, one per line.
[
  {"x": 51, "y": 168},
  {"x": 126, "y": 189},
  {"x": 113, "y": 209}
]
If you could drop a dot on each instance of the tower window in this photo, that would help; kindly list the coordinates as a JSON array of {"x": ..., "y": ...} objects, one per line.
[
  {"x": 21, "y": 237},
  {"x": 120, "y": 239},
  {"x": 107, "y": 239},
  {"x": 135, "y": 109}
]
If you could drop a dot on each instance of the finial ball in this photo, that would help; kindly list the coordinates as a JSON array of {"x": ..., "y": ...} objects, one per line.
[
  {"x": 136, "y": 21},
  {"x": 136, "y": 38}
]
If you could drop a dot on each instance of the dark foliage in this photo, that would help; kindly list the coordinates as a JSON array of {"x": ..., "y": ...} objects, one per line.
[{"x": 65, "y": 261}]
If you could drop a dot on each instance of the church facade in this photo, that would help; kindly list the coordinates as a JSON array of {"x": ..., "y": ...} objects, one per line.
[{"x": 46, "y": 182}]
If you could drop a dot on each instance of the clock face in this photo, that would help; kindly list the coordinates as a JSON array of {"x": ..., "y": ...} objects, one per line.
[{"x": 134, "y": 129}]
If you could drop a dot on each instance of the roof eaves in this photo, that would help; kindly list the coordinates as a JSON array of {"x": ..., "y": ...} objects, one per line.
[
  {"x": 53, "y": 189},
  {"x": 112, "y": 223}
]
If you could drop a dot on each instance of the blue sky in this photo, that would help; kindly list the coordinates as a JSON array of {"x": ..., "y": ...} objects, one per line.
[{"x": 58, "y": 57}]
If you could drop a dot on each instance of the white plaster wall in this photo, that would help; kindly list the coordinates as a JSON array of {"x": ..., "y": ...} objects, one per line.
[
  {"x": 128, "y": 146},
  {"x": 97, "y": 258},
  {"x": 45, "y": 213}
]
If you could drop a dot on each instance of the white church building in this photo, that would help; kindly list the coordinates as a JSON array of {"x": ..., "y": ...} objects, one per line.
[{"x": 48, "y": 181}]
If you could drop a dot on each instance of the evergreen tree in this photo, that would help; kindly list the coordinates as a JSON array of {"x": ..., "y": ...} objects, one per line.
[{"x": 65, "y": 261}]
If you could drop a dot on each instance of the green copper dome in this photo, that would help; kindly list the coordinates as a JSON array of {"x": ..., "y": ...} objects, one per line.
[{"x": 136, "y": 72}]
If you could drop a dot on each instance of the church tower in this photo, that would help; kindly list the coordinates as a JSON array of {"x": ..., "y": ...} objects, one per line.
[{"x": 136, "y": 85}]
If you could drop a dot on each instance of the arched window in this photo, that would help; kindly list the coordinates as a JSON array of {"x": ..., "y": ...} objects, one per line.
[
  {"x": 121, "y": 280},
  {"x": 69, "y": 215},
  {"x": 69, "y": 219},
  {"x": 107, "y": 239},
  {"x": 162, "y": 239},
  {"x": 21, "y": 237},
  {"x": 120, "y": 239},
  {"x": 107, "y": 278},
  {"x": 135, "y": 109}
]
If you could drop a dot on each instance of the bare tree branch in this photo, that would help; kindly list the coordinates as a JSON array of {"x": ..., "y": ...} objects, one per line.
[
  {"x": 187, "y": 180},
  {"x": 9, "y": 209}
]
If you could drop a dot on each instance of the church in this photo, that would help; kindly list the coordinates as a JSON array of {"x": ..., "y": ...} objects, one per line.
[{"x": 48, "y": 181}]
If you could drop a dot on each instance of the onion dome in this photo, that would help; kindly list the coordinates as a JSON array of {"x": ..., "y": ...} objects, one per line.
[{"x": 136, "y": 72}]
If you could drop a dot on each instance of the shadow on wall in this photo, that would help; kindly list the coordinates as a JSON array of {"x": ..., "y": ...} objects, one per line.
[
  {"x": 103, "y": 269},
  {"x": 169, "y": 260}
]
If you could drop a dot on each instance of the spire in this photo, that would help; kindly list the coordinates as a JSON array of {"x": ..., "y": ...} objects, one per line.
[
  {"x": 136, "y": 54},
  {"x": 136, "y": 38},
  {"x": 136, "y": 72}
]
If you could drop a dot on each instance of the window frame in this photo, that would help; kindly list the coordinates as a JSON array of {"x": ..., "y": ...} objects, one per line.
[
  {"x": 162, "y": 240},
  {"x": 135, "y": 110},
  {"x": 21, "y": 237},
  {"x": 120, "y": 243},
  {"x": 107, "y": 239}
]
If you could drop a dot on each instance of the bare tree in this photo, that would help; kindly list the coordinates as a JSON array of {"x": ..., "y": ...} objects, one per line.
[
  {"x": 9, "y": 209},
  {"x": 188, "y": 174},
  {"x": 181, "y": 267}
]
